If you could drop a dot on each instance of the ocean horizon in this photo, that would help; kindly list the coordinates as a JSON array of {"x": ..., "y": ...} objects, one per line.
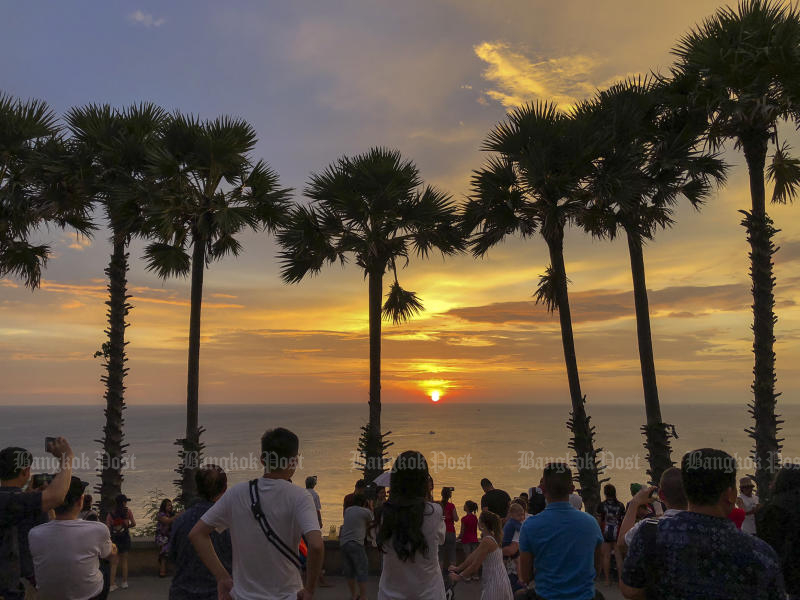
[{"x": 508, "y": 443}]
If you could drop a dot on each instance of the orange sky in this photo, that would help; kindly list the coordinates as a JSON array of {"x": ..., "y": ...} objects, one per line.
[{"x": 429, "y": 79}]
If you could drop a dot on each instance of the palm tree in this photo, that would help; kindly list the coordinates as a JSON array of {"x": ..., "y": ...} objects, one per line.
[
  {"x": 648, "y": 159},
  {"x": 39, "y": 185},
  {"x": 535, "y": 182},
  {"x": 208, "y": 190},
  {"x": 744, "y": 69},
  {"x": 372, "y": 207},
  {"x": 117, "y": 144}
]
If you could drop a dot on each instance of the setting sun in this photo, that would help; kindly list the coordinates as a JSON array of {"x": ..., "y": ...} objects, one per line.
[{"x": 435, "y": 395}]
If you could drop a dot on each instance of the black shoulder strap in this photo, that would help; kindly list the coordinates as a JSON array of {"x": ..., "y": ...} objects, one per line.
[
  {"x": 269, "y": 532},
  {"x": 651, "y": 557}
]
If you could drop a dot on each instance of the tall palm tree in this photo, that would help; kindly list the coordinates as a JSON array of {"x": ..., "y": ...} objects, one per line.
[
  {"x": 117, "y": 144},
  {"x": 535, "y": 182},
  {"x": 39, "y": 186},
  {"x": 371, "y": 207},
  {"x": 647, "y": 160},
  {"x": 743, "y": 66},
  {"x": 208, "y": 190}
]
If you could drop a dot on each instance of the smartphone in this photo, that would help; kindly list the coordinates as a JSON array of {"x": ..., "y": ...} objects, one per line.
[
  {"x": 48, "y": 443},
  {"x": 40, "y": 479}
]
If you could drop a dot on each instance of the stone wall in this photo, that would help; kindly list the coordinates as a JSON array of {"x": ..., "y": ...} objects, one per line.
[{"x": 143, "y": 558}]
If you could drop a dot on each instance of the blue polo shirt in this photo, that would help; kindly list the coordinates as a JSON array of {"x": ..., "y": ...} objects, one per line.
[{"x": 562, "y": 541}]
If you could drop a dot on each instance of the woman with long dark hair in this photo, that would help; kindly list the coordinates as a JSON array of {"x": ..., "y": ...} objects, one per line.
[
  {"x": 120, "y": 521},
  {"x": 611, "y": 512},
  {"x": 166, "y": 515},
  {"x": 409, "y": 534},
  {"x": 447, "y": 551}
]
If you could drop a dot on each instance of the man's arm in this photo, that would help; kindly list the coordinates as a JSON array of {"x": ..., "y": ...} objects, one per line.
[
  {"x": 525, "y": 567},
  {"x": 200, "y": 536},
  {"x": 54, "y": 494},
  {"x": 511, "y": 549},
  {"x": 643, "y": 496},
  {"x": 316, "y": 555}
]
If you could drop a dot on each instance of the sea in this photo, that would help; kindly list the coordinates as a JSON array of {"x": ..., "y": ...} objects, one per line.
[{"x": 508, "y": 443}]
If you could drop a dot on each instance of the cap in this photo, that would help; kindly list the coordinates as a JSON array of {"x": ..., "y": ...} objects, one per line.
[
  {"x": 122, "y": 498},
  {"x": 746, "y": 481},
  {"x": 75, "y": 491},
  {"x": 635, "y": 487}
]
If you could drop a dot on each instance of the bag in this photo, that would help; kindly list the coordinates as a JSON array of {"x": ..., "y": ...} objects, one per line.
[
  {"x": 269, "y": 532},
  {"x": 9, "y": 551}
]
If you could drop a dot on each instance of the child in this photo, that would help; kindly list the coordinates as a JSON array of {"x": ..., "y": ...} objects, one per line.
[
  {"x": 469, "y": 528},
  {"x": 510, "y": 545},
  {"x": 489, "y": 557}
]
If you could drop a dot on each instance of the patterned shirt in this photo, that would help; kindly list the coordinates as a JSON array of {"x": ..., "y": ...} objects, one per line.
[
  {"x": 699, "y": 557},
  {"x": 192, "y": 579}
]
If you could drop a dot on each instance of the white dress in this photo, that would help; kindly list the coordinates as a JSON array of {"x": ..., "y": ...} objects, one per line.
[
  {"x": 421, "y": 578},
  {"x": 494, "y": 578}
]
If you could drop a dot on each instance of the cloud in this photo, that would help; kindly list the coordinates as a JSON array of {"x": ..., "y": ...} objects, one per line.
[
  {"x": 606, "y": 305},
  {"x": 77, "y": 242},
  {"x": 139, "y": 17},
  {"x": 789, "y": 252},
  {"x": 517, "y": 79}
]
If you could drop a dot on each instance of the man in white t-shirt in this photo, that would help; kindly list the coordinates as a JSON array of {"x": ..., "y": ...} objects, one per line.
[
  {"x": 67, "y": 551},
  {"x": 748, "y": 502},
  {"x": 260, "y": 570}
]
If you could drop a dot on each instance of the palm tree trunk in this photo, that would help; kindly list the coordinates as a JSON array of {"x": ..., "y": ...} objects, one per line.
[
  {"x": 656, "y": 437},
  {"x": 191, "y": 447},
  {"x": 582, "y": 431},
  {"x": 372, "y": 442},
  {"x": 759, "y": 234},
  {"x": 114, "y": 354}
]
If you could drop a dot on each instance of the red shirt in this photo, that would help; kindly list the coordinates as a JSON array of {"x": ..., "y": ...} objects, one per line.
[
  {"x": 469, "y": 529},
  {"x": 737, "y": 515},
  {"x": 449, "y": 524}
]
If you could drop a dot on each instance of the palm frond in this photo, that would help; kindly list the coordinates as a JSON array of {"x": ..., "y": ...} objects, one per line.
[
  {"x": 26, "y": 261},
  {"x": 784, "y": 171},
  {"x": 308, "y": 242},
  {"x": 167, "y": 260},
  {"x": 546, "y": 290},
  {"x": 400, "y": 305},
  {"x": 496, "y": 207}
]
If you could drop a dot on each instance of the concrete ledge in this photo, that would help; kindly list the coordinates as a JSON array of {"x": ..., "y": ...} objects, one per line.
[{"x": 143, "y": 558}]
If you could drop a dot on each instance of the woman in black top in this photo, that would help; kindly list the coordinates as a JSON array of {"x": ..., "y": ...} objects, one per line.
[{"x": 611, "y": 512}]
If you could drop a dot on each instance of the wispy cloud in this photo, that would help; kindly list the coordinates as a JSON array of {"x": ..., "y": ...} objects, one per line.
[
  {"x": 516, "y": 78},
  {"x": 139, "y": 17}
]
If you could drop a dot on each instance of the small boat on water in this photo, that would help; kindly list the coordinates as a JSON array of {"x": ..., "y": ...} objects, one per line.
[{"x": 431, "y": 432}]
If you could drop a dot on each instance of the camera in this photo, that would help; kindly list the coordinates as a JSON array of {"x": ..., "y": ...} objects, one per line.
[{"x": 41, "y": 479}]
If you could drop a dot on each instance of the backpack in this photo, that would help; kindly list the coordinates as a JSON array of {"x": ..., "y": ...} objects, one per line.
[{"x": 9, "y": 554}]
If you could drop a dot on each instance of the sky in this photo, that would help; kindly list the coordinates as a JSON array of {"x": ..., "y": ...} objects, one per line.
[{"x": 431, "y": 78}]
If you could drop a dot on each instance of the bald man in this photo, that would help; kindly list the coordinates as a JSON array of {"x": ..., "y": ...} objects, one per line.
[{"x": 670, "y": 492}]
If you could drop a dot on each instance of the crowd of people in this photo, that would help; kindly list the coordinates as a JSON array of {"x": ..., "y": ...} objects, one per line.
[{"x": 694, "y": 536}]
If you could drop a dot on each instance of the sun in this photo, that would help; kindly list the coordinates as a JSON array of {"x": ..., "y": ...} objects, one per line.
[{"x": 435, "y": 395}]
